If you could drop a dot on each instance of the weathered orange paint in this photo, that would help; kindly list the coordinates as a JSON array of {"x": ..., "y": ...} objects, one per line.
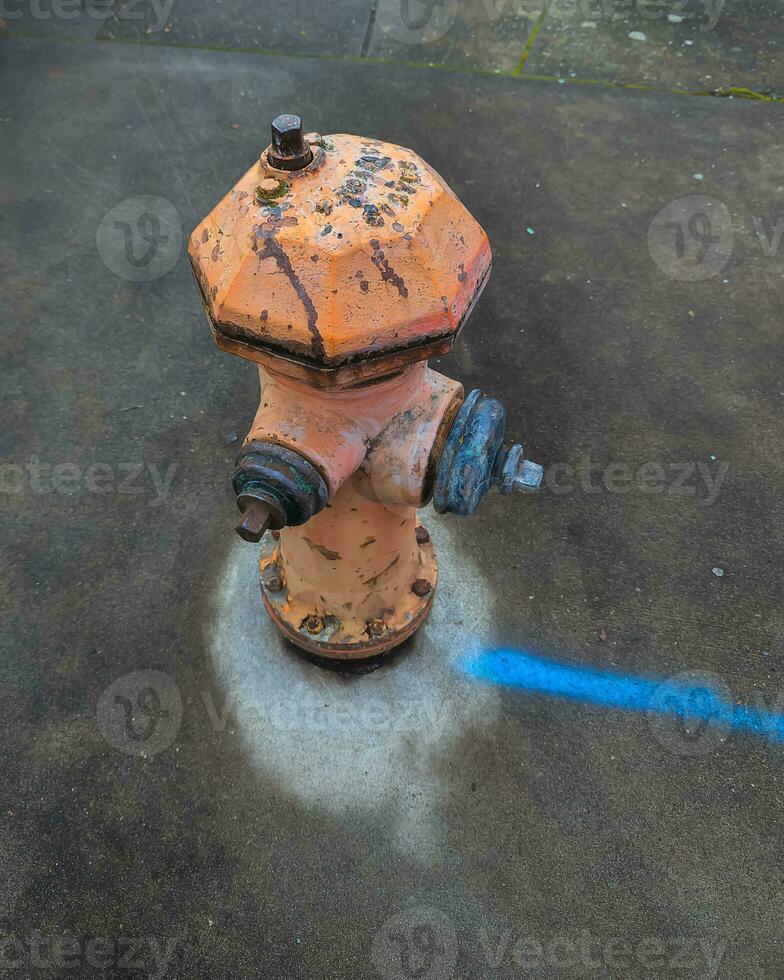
[
  {"x": 385, "y": 432},
  {"x": 351, "y": 568},
  {"x": 340, "y": 280},
  {"x": 355, "y": 563},
  {"x": 365, "y": 255}
]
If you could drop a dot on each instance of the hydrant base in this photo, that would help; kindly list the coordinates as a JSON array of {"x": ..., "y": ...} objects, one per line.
[{"x": 346, "y": 640}]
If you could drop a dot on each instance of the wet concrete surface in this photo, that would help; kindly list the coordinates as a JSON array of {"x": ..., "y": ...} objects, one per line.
[
  {"x": 80, "y": 20},
  {"x": 698, "y": 47},
  {"x": 208, "y": 827},
  {"x": 329, "y": 27},
  {"x": 691, "y": 45},
  {"x": 488, "y": 36}
]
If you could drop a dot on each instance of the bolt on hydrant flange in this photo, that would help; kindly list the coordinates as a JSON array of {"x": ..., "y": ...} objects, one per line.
[{"x": 340, "y": 265}]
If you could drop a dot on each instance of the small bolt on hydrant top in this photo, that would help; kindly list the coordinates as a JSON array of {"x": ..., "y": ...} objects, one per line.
[
  {"x": 289, "y": 149},
  {"x": 340, "y": 264}
]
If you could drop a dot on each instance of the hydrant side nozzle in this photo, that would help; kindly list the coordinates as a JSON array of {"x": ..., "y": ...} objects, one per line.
[
  {"x": 467, "y": 467},
  {"x": 473, "y": 458},
  {"x": 281, "y": 482}
]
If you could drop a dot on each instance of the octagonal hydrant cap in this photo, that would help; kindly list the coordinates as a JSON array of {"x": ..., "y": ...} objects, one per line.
[{"x": 363, "y": 254}]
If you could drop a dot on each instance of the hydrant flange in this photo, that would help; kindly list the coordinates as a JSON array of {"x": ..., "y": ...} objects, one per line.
[{"x": 352, "y": 637}]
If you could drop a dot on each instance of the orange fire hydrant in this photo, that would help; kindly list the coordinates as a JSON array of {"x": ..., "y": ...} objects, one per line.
[{"x": 339, "y": 265}]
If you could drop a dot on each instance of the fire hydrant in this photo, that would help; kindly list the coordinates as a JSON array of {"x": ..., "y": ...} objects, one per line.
[{"x": 340, "y": 265}]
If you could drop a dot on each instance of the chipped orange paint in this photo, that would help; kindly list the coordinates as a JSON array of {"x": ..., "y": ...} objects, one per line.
[
  {"x": 356, "y": 561},
  {"x": 351, "y": 569},
  {"x": 383, "y": 432},
  {"x": 366, "y": 254},
  {"x": 340, "y": 280}
]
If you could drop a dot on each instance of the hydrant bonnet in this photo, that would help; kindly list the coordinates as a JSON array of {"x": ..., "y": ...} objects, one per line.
[{"x": 352, "y": 266}]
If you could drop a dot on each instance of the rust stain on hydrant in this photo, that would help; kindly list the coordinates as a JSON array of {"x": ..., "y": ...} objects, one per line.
[{"x": 339, "y": 265}]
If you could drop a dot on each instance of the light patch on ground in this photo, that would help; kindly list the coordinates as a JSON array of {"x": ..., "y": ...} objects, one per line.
[{"x": 368, "y": 743}]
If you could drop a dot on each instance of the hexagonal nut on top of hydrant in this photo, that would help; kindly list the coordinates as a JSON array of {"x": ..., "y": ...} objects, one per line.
[{"x": 339, "y": 265}]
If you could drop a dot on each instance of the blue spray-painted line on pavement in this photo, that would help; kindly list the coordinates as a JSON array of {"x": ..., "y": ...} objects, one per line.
[{"x": 690, "y": 700}]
